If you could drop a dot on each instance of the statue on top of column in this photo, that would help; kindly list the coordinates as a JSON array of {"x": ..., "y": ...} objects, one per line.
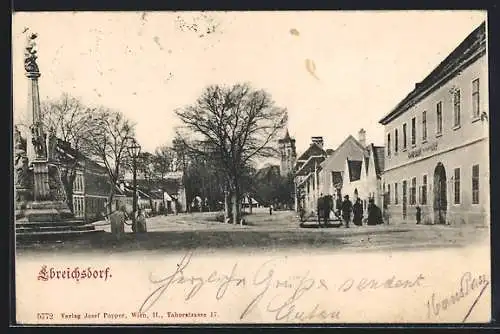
[{"x": 30, "y": 56}]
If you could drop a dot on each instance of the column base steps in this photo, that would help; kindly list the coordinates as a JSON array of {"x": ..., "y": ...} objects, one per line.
[{"x": 53, "y": 231}]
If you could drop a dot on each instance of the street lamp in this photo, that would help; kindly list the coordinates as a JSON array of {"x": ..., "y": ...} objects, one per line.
[{"x": 134, "y": 149}]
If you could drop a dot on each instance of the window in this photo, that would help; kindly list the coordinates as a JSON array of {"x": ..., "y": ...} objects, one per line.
[
  {"x": 439, "y": 118},
  {"x": 413, "y": 131},
  {"x": 388, "y": 144},
  {"x": 423, "y": 195},
  {"x": 396, "y": 193},
  {"x": 388, "y": 194},
  {"x": 456, "y": 183},
  {"x": 424, "y": 126},
  {"x": 404, "y": 136},
  {"x": 456, "y": 108},
  {"x": 413, "y": 191},
  {"x": 475, "y": 184},
  {"x": 475, "y": 98},
  {"x": 78, "y": 183},
  {"x": 396, "y": 141}
]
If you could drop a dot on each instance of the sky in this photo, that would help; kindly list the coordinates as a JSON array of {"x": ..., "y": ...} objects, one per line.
[{"x": 335, "y": 72}]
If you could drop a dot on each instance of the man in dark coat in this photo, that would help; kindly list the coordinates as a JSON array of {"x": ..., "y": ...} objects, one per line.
[
  {"x": 346, "y": 209},
  {"x": 357, "y": 211},
  {"x": 374, "y": 214},
  {"x": 320, "y": 208}
]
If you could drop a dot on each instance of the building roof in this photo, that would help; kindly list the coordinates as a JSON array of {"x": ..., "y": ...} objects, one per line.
[
  {"x": 336, "y": 158},
  {"x": 472, "y": 47},
  {"x": 170, "y": 186},
  {"x": 313, "y": 149},
  {"x": 313, "y": 161},
  {"x": 354, "y": 169}
]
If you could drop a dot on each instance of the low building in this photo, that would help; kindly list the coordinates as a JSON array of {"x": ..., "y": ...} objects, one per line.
[
  {"x": 333, "y": 178},
  {"x": 307, "y": 171},
  {"x": 363, "y": 178},
  {"x": 437, "y": 142},
  {"x": 91, "y": 186},
  {"x": 166, "y": 195}
]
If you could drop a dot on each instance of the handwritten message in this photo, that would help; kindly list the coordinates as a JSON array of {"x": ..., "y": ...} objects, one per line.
[{"x": 279, "y": 295}]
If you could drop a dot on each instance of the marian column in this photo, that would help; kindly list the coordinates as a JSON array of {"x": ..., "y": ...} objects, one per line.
[
  {"x": 48, "y": 200},
  {"x": 36, "y": 148}
]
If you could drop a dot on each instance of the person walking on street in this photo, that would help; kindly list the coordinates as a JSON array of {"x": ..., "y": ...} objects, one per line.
[
  {"x": 320, "y": 208},
  {"x": 118, "y": 219},
  {"x": 374, "y": 214},
  {"x": 270, "y": 209},
  {"x": 346, "y": 210},
  {"x": 419, "y": 214},
  {"x": 357, "y": 210},
  {"x": 141, "y": 222}
]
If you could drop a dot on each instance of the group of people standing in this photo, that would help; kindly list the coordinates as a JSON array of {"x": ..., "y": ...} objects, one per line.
[
  {"x": 119, "y": 218},
  {"x": 347, "y": 210}
]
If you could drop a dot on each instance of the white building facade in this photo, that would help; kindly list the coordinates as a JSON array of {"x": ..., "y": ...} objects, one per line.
[
  {"x": 437, "y": 142},
  {"x": 362, "y": 178}
]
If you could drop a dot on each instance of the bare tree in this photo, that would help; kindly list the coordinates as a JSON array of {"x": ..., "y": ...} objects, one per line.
[
  {"x": 108, "y": 140},
  {"x": 69, "y": 119},
  {"x": 232, "y": 126},
  {"x": 145, "y": 166},
  {"x": 162, "y": 161}
]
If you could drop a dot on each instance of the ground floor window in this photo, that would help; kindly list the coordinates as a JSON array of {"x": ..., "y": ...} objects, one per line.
[
  {"x": 475, "y": 184},
  {"x": 456, "y": 184},
  {"x": 396, "y": 196},
  {"x": 413, "y": 191},
  {"x": 388, "y": 194},
  {"x": 78, "y": 206},
  {"x": 423, "y": 195}
]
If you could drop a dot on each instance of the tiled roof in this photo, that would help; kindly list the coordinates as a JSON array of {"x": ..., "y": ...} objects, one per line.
[
  {"x": 474, "y": 42},
  {"x": 313, "y": 149}
]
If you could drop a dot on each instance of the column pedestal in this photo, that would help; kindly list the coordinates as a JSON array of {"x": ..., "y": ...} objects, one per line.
[{"x": 44, "y": 208}]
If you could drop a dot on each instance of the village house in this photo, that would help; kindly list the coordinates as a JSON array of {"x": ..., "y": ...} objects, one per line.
[
  {"x": 363, "y": 178},
  {"x": 332, "y": 175},
  {"x": 307, "y": 171},
  {"x": 437, "y": 142},
  {"x": 167, "y": 195},
  {"x": 91, "y": 186}
]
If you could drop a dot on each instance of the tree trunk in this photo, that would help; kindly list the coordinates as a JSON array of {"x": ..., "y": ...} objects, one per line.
[
  {"x": 226, "y": 206},
  {"x": 110, "y": 201},
  {"x": 234, "y": 202}
]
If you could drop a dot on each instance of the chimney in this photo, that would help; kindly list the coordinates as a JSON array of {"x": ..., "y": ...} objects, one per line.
[
  {"x": 318, "y": 141},
  {"x": 362, "y": 137}
]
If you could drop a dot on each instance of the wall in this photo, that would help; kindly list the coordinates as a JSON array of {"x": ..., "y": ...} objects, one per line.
[
  {"x": 463, "y": 158},
  {"x": 470, "y": 128},
  {"x": 455, "y": 147},
  {"x": 336, "y": 163}
]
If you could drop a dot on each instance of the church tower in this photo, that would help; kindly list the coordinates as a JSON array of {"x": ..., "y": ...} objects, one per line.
[{"x": 288, "y": 154}]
